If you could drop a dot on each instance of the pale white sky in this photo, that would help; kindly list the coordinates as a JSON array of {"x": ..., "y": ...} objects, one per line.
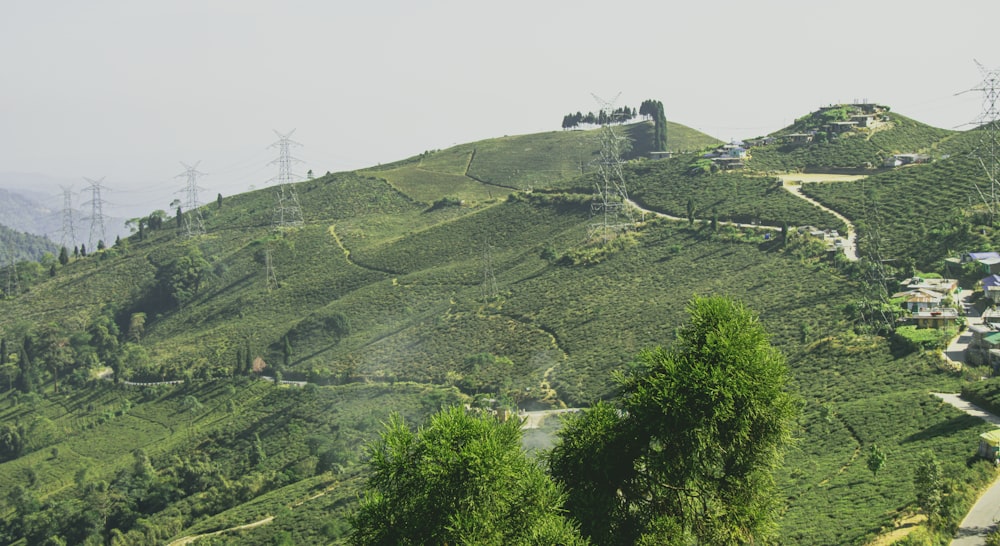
[{"x": 126, "y": 89}]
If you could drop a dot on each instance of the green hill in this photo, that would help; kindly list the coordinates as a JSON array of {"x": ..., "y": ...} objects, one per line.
[
  {"x": 853, "y": 149},
  {"x": 925, "y": 213},
  {"x": 18, "y": 246},
  {"x": 491, "y": 168},
  {"x": 426, "y": 283}
]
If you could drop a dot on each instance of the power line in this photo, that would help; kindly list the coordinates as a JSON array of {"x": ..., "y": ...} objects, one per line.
[
  {"x": 193, "y": 222},
  {"x": 96, "y": 212},
  {"x": 988, "y": 151},
  {"x": 287, "y": 212},
  {"x": 68, "y": 233},
  {"x": 611, "y": 196}
]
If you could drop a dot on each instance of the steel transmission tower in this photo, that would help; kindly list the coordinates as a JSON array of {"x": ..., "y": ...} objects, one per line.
[
  {"x": 611, "y": 202},
  {"x": 193, "y": 222},
  {"x": 988, "y": 152},
  {"x": 96, "y": 213},
  {"x": 287, "y": 212},
  {"x": 67, "y": 236},
  {"x": 875, "y": 307}
]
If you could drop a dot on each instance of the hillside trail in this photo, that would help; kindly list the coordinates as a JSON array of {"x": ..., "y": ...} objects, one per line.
[
  {"x": 789, "y": 183},
  {"x": 983, "y": 516},
  {"x": 184, "y": 541},
  {"x": 697, "y": 220}
]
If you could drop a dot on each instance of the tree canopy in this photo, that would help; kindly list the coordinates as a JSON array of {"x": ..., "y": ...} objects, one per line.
[
  {"x": 684, "y": 454},
  {"x": 462, "y": 479}
]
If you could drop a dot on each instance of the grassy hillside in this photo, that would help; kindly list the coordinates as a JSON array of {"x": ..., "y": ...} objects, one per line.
[
  {"x": 853, "y": 150},
  {"x": 419, "y": 284},
  {"x": 20, "y": 246},
  {"x": 229, "y": 448},
  {"x": 668, "y": 185},
  {"x": 926, "y": 212},
  {"x": 492, "y": 168}
]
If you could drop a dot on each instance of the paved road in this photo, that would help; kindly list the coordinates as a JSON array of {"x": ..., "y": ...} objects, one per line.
[
  {"x": 955, "y": 352},
  {"x": 983, "y": 516}
]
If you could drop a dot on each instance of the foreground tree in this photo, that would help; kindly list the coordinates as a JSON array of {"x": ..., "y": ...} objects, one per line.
[
  {"x": 685, "y": 453},
  {"x": 462, "y": 479}
]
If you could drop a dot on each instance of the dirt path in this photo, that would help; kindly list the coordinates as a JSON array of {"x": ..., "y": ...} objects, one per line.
[
  {"x": 645, "y": 211},
  {"x": 904, "y": 527},
  {"x": 788, "y": 182},
  {"x": 189, "y": 539}
]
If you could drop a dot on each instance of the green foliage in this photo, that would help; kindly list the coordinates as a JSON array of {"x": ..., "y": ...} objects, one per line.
[
  {"x": 182, "y": 278},
  {"x": 669, "y": 185},
  {"x": 927, "y": 212},
  {"x": 21, "y": 247},
  {"x": 875, "y": 460},
  {"x": 911, "y": 338},
  {"x": 687, "y": 452},
  {"x": 408, "y": 280},
  {"x": 462, "y": 479},
  {"x": 928, "y": 482},
  {"x": 849, "y": 151}
]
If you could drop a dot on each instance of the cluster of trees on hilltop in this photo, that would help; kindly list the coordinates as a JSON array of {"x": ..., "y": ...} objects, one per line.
[
  {"x": 649, "y": 109},
  {"x": 618, "y": 115},
  {"x": 653, "y": 109},
  {"x": 682, "y": 455}
]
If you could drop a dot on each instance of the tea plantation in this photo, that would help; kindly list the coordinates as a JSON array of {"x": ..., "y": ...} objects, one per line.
[{"x": 465, "y": 275}]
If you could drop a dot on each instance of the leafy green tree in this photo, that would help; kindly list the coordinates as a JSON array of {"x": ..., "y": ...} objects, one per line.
[
  {"x": 8, "y": 373},
  {"x": 218, "y": 201},
  {"x": 54, "y": 351},
  {"x": 63, "y": 256},
  {"x": 876, "y": 459},
  {"x": 27, "y": 379},
  {"x": 685, "y": 453},
  {"x": 181, "y": 279},
  {"x": 257, "y": 453},
  {"x": 928, "y": 481},
  {"x": 462, "y": 479},
  {"x": 136, "y": 327},
  {"x": 286, "y": 351}
]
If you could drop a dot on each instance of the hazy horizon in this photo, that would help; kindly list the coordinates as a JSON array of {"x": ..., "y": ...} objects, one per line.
[{"x": 125, "y": 91}]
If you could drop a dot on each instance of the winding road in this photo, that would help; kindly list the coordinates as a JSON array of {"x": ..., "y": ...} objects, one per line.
[
  {"x": 793, "y": 184},
  {"x": 983, "y": 516}
]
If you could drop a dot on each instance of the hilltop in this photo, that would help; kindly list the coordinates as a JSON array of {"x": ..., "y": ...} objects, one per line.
[{"x": 458, "y": 275}]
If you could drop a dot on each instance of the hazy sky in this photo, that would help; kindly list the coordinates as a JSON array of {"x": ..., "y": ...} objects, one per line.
[{"x": 126, "y": 89}]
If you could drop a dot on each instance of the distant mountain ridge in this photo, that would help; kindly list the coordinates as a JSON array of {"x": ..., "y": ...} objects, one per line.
[
  {"x": 31, "y": 213},
  {"x": 23, "y": 246}
]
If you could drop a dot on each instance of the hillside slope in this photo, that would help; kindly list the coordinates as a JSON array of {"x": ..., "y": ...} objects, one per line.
[
  {"x": 855, "y": 149},
  {"x": 18, "y": 246},
  {"x": 417, "y": 285}
]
